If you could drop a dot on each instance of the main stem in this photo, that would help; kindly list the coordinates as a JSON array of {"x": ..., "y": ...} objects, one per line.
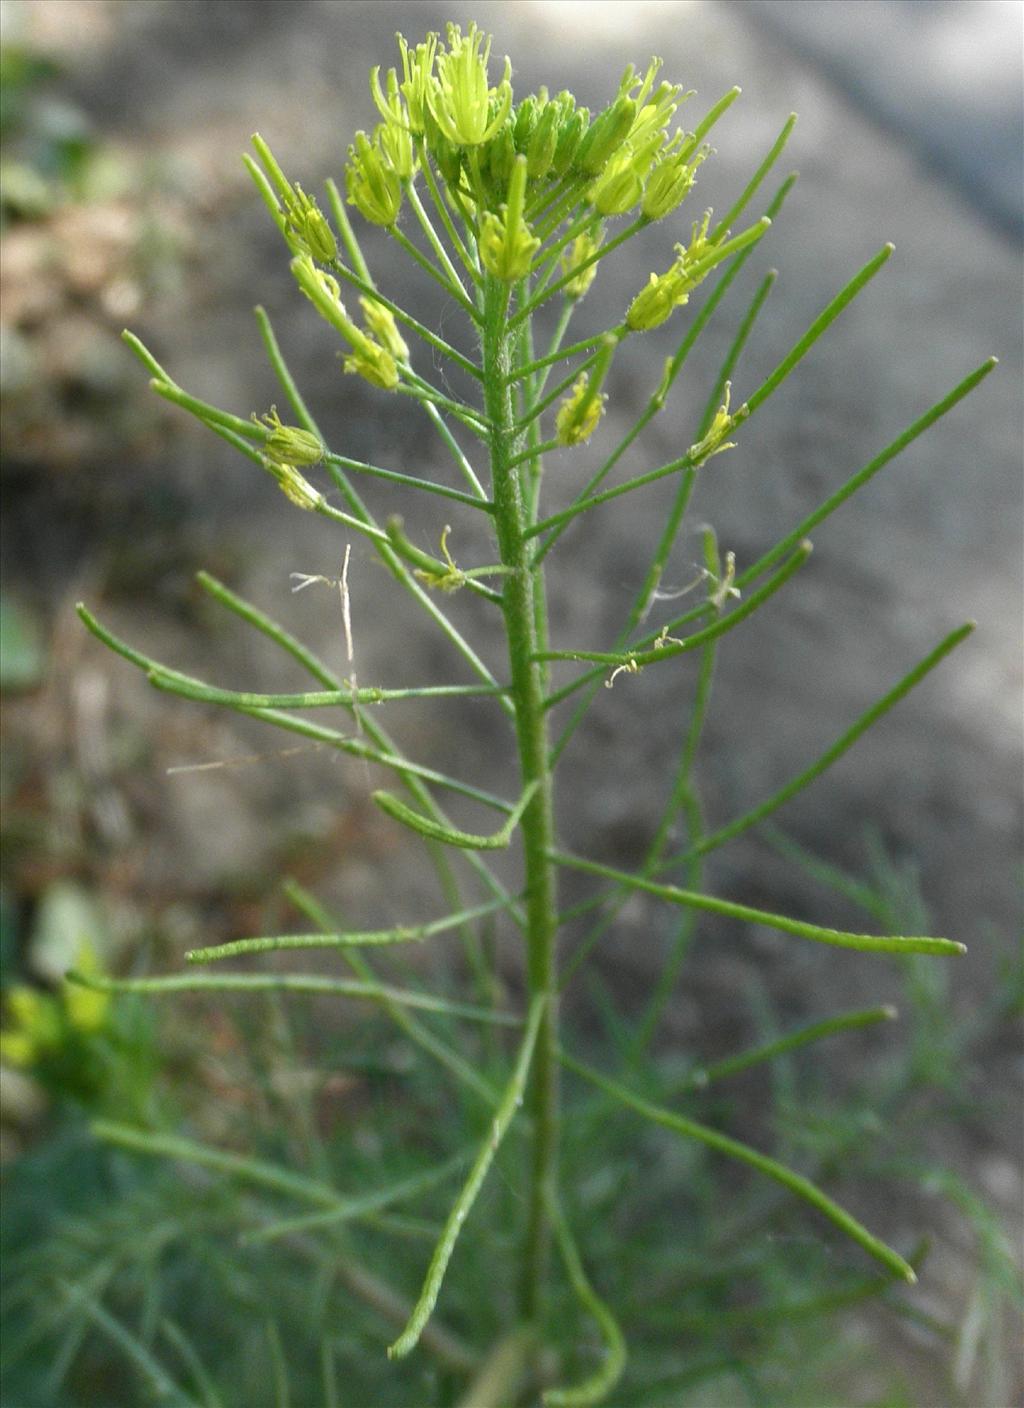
[{"x": 523, "y": 605}]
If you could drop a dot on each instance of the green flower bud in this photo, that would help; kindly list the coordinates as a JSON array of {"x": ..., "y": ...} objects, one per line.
[
  {"x": 461, "y": 99},
  {"x": 670, "y": 183},
  {"x": 664, "y": 292},
  {"x": 287, "y": 444},
  {"x": 309, "y": 229},
  {"x": 298, "y": 216},
  {"x": 570, "y": 135},
  {"x": 714, "y": 442},
  {"x": 292, "y": 484},
  {"x": 619, "y": 187},
  {"x": 383, "y": 328},
  {"x": 527, "y": 116},
  {"x": 579, "y": 413},
  {"x": 373, "y": 185},
  {"x": 499, "y": 159},
  {"x": 507, "y": 244},
  {"x": 540, "y": 151},
  {"x": 607, "y": 134},
  {"x": 582, "y": 247},
  {"x": 368, "y": 359}
]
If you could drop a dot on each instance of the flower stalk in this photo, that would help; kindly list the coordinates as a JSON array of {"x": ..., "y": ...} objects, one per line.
[{"x": 511, "y": 209}]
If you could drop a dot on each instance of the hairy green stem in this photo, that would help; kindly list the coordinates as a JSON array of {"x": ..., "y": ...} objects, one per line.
[{"x": 522, "y": 603}]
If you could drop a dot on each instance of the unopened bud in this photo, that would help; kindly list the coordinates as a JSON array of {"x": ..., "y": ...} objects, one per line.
[
  {"x": 607, "y": 134},
  {"x": 670, "y": 183},
  {"x": 308, "y": 227},
  {"x": 581, "y": 249},
  {"x": 619, "y": 186},
  {"x": 507, "y": 244},
  {"x": 292, "y": 484},
  {"x": 579, "y": 413},
  {"x": 288, "y": 444},
  {"x": 714, "y": 442},
  {"x": 382, "y": 326},
  {"x": 373, "y": 185}
]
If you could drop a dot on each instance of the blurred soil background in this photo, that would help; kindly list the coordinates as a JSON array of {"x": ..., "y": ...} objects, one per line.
[{"x": 125, "y": 203}]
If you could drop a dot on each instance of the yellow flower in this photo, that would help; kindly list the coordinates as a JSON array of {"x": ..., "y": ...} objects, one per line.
[
  {"x": 461, "y": 101},
  {"x": 714, "y": 442},
  {"x": 368, "y": 358},
  {"x": 581, "y": 249},
  {"x": 86, "y": 1008},
  {"x": 579, "y": 413},
  {"x": 35, "y": 1026}
]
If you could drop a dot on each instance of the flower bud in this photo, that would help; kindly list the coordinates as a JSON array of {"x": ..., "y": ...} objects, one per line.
[
  {"x": 308, "y": 227},
  {"x": 373, "y": 185},
  {"x": 298, "y": 216},
  {"x": 581, "y": 249},
  {"x": 293, "y": 486},
  {"x": 287, "y": 444},
  {"x": 382, "y": 326},
  {"x": 527, "y": 116},
  {"x": 498, "y": 158},
  {"x": 579, "y": 413},
  {"x": 540, "y": 150},
  {"x": 619, "y": 186},
  {"x": 607, "y": 134},
  {"x": 670, "y": 183},
  {"x": 570, "y": 135},
  {"x": 714, "y": 442},
  {"x": 507, "y": 244}
]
